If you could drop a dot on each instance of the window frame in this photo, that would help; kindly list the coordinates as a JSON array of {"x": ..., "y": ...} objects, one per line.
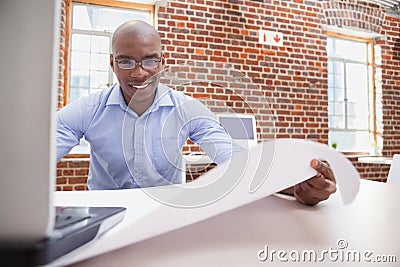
[
  {"x": 107, "y": 3},
  {"x": 372, "y": 112},
  {"x": 66, "y": 57}
]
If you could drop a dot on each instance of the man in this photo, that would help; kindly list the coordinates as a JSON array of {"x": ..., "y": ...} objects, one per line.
[{"x": 137, "y": 127}]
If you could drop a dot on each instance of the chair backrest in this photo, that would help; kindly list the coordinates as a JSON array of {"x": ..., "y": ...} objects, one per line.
[{"x": 394, "y": 172}]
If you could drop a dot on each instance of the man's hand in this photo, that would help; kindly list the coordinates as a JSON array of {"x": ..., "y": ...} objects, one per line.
[{"x": 317, "y": 188}]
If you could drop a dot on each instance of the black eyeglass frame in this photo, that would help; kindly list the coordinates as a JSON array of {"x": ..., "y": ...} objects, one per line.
[{"x": 134, "y": 63}]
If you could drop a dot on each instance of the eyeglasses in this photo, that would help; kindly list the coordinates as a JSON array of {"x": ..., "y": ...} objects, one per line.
[{"x": 146, "y": 64}]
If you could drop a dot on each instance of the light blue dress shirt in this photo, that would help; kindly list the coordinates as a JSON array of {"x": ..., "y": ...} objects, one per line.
[{"x": 131, "y": 151}]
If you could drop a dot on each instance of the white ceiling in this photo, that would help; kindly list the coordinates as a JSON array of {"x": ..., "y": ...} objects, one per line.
[
  {"x": 393, "y": 5},
  {"x": 387, "y": 3},
  {"x": 147, "y": 2}
]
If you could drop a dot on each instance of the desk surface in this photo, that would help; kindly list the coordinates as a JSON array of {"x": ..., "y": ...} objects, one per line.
[
  {"x": 368, "y": 228},
  {"x": 376, "y": 160}
]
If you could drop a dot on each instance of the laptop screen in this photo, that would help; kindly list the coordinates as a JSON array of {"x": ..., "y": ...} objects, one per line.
[
  {"x": 241, "y": 127},
  {"x": 238, "y": 128},
  {"x": 29, "y": 49}
]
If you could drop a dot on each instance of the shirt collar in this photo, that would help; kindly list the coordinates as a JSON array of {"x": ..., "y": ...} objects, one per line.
[
  {"x": 116, "y": 97},
  {"x": 163, "y": 97}
]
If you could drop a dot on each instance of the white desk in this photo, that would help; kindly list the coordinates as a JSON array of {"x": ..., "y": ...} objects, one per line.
[
  {"x": 197, "y": 159},
  {"x": 375, "y": 160},
  {"x": 371, "y": 222}
]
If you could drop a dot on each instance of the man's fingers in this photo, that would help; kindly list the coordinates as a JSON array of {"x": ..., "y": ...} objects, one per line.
[
  {"x": 323, "y": 168},
  {"x": 301, "y": 193},
  {"x": 314, "y": 190},
  {"x": 319, "y": 183}
]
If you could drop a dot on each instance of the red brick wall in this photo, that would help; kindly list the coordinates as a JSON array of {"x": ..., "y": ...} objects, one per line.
[
  {"x": 72, "y": 174},
  {"x": 391, "y": 85},
  {"x": 293, "y": 77},
  {"x": 61, "y": 80},
  {"x": 376, "y": 172}
]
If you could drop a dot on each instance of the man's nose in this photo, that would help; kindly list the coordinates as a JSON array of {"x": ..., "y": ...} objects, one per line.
[{"x": 138, "y": 71}]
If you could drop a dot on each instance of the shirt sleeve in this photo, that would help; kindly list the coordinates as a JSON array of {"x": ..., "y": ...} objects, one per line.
[
  {"x": 72, "y": 121},
  {"x": 207, "y": 132}
]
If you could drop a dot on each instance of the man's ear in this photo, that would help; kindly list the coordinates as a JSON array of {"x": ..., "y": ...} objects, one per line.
[{"x": 112, "y": 61}]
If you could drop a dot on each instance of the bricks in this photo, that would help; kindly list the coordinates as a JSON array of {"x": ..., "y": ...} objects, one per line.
[
  {"x": 72, "y": 174},
  {"x": 376, "y": 172},
  {"x": 293, "y": 76}
]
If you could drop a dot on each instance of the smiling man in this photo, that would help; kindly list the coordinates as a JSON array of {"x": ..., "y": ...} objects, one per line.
[
  {"x": 137, "y": 127},
  {"x": 136, "y": 60}
]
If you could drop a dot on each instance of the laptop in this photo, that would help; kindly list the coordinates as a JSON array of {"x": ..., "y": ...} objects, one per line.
[
  {"x": 29, "y": 234},
  {"x": 241, "y": 127}
]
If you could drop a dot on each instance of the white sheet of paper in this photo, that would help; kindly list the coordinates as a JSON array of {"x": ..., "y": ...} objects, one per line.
[{"x": 268, "y": 168}]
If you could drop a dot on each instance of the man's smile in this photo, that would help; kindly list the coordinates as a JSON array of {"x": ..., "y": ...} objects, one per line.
[{"x": 142, "y": 86}]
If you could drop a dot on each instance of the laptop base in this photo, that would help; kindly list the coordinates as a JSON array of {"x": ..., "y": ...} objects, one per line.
[
  {"x": 63, "y": 240},
  {"x": 45, "y": 251}
]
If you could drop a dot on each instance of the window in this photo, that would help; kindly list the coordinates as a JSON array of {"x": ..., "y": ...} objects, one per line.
[
  {"x": 91, "y": 30},
  {"x": 92, "y": 24},
  {"x": 351, "y": 106}
]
